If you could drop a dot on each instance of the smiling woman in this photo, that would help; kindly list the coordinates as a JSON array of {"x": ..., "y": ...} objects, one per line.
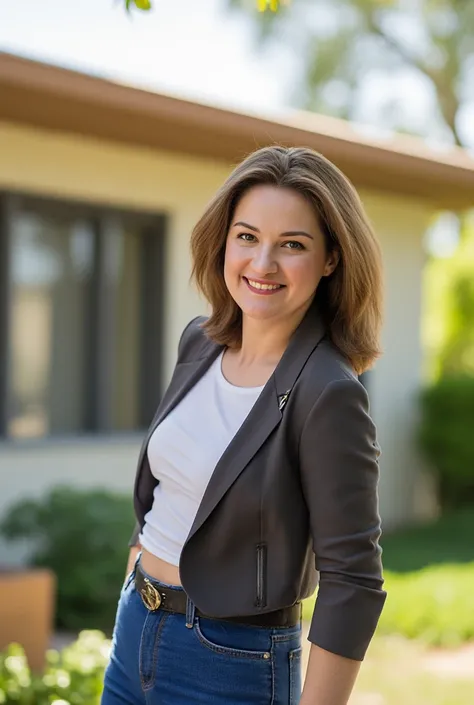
[
  {"x": 260, "y": 468},
  {"x": 289, "y": 217}
]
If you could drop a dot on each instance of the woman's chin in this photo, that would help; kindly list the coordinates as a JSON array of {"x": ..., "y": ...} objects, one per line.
[{"x": 261, "y": 313}]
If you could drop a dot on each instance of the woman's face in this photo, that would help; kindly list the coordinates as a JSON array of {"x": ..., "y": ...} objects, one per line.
[{"x": 275, "y": 254}]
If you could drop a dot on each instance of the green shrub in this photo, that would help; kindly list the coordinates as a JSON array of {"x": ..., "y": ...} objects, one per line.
[
  {"x": 446, "y": 437},
  {"x": 72, "y": 677},
  {"x": 82, "y": 536}
]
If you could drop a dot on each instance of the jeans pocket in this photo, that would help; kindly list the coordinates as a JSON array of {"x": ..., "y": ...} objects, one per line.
[
  {"x": 226, "y": 639},
  {"x": 295, "y": 675}
]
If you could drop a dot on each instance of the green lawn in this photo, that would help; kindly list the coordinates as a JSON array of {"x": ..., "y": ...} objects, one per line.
[
  {"x": 450, "y": 539},
  {"x": 395, "y": 672}
]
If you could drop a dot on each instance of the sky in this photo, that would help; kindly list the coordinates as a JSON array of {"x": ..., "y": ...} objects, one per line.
[{"x": 194, "y": 48}]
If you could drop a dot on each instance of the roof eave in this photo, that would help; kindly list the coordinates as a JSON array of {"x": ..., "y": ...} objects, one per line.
[{"x": 54, "y": 98}]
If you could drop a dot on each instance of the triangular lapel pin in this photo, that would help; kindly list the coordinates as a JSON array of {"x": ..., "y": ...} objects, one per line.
[{"x": 283, "y": 398}]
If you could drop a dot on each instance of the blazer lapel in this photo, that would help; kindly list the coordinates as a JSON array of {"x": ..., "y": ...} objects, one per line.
[{"x": 264, "y": 416}]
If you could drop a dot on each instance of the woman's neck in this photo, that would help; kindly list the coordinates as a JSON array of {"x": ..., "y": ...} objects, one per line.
[{"x": 264, "y": 342}]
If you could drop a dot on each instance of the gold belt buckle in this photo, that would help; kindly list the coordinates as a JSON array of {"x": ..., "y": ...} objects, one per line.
[{"x": 150, "y": 596}]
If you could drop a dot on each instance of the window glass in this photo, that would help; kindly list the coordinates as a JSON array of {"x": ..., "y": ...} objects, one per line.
[
  {"x": 125, "y": 388},
  {"x": 85, "y": 309},
  {"x": 52, "y": 262}
]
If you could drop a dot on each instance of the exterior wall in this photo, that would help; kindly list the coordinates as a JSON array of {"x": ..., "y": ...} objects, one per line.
[
  {"x": 405, "y": 493},
  {"x": 85, "y": 169},
  {"x": 69, "y": 167}
]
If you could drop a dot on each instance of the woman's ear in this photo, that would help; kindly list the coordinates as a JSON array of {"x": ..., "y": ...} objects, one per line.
[{"x": 331, "y": 263}]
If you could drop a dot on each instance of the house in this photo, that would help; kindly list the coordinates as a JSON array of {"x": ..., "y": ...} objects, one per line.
[{"x": 100, "y": 186}]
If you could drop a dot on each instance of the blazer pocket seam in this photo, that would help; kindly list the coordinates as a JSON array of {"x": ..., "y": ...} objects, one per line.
[{"x": 261, "y": 584}]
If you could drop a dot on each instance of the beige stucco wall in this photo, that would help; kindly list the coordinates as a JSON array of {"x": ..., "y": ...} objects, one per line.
[
  {"x": 405, "y": 492},
  {"x": 71, "y": 167}
]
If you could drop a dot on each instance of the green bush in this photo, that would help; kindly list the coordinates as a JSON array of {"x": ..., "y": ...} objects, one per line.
[
  {"x": 446, "y": 437},
  {"x": 82, "y": 536},
  {"x": 72, "y": 677}
]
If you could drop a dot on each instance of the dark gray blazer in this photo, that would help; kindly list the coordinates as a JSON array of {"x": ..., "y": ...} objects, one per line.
[{"x": 293, "y": 495}]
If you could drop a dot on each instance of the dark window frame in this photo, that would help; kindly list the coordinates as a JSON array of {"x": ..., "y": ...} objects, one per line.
[{"x": 153, "y": 234}]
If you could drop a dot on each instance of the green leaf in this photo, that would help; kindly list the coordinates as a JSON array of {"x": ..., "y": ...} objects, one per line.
[
  {"x": 273, "y": 5},
  {"x": 139, "y": 4}
]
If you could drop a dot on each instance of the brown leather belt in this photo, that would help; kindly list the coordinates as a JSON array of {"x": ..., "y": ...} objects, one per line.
[{"x": 155, "y": 596}]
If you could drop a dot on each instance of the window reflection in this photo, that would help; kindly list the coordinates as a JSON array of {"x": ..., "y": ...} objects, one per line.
[
  {"x": 85, "y": 319},
  {"x": 51, "y": 273}
]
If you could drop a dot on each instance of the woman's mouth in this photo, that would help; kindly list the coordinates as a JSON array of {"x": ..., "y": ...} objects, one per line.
[{"x": 262, "y": 287}]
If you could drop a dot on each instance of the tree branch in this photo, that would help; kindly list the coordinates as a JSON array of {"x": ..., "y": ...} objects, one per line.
[{"x": 447, "y": 98}]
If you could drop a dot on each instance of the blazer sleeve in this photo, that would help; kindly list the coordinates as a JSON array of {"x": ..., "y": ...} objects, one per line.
[{"x": 339, "y": 472}]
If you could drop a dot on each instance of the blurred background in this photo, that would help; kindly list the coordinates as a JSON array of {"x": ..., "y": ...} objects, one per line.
[{"x": 116, "y": 127}]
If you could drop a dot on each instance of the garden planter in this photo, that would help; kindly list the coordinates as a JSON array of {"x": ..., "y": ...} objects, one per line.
[{"x": 27, "y": 599}]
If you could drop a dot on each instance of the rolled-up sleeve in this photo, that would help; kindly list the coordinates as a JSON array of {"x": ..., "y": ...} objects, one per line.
[{"x": 339, "y": 473}]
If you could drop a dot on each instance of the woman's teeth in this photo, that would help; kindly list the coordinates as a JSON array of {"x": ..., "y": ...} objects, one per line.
[{"x": 265, "y": 287}]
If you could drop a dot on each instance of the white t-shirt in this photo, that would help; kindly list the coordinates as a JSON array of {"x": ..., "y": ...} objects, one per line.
[{"x": 183, "y": 452}]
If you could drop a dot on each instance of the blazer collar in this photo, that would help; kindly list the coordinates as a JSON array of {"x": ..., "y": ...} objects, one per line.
[
  {"x": 264, "y": 416},
  {"x": 306, "y": 337}
]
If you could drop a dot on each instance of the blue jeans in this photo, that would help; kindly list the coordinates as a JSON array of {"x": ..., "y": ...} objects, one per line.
[{"x": 157, "y": 660}]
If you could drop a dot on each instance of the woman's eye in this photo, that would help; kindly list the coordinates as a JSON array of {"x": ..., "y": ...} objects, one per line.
[
  {"x": 246, "y": 237},
  {"x": 294, "y": 245}
]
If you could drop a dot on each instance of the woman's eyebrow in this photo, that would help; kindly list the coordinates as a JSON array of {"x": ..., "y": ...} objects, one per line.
[
  {"x": 246, "y": 225},
  {"x": 288, "y": 233}
]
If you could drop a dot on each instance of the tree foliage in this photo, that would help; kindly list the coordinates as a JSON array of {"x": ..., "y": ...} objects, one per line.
[
  {"x": 342, "y": 41},
  {"x": 448, "y": 326},
  {"x": 262, "y": 5},
  {"x": 139, "y": 4}
]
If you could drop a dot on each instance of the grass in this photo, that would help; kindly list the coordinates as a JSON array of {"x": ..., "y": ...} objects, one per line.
[
  {"x": 447, "y": 540},
  {"x": 395, "y": 673}
]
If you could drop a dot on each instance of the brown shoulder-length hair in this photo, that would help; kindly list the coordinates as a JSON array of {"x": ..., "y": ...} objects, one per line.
[{"x": 350, "y": 299}]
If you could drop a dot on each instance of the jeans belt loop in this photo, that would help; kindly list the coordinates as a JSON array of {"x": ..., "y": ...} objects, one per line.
[{"x": 190, "y": 612}]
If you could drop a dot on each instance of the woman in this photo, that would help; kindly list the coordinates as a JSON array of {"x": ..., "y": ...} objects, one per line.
[{"x": 259, "y": 470}]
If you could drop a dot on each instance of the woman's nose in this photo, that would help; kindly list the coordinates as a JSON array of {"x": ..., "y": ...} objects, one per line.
[{"x": 263, "y": 261}]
